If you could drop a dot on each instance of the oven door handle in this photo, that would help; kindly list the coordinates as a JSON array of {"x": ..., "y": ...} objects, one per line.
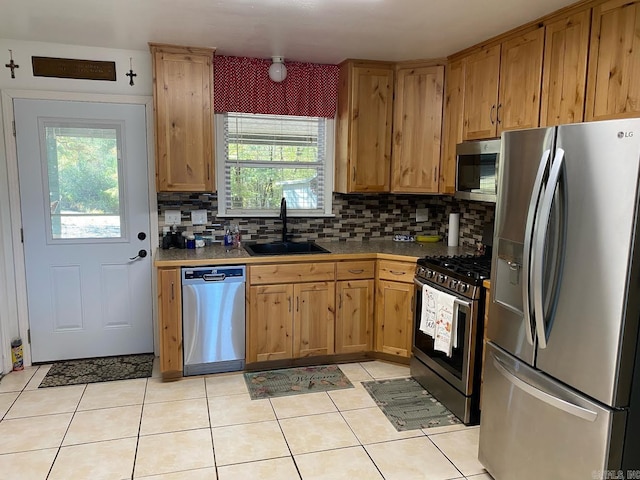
[
  {"x": 418, "y": 283},
  {"x": 457, "y": 303}
]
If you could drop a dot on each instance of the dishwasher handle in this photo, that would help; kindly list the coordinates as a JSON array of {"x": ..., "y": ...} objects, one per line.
[{"x": 214, "y": 277}]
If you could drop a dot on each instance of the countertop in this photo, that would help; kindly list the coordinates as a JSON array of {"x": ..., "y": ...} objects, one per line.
[{"x": 384, "y": 249}]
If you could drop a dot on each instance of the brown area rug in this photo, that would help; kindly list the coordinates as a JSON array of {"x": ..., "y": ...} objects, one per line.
[
  {"x": 293, "y": 381},
  {"x": 104, "y": 369}
]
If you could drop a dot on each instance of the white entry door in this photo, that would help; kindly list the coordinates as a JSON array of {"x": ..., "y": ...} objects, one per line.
[{"x": 85, "y": 216}]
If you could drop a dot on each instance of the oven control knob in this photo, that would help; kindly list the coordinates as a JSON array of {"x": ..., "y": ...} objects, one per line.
[
  {"x": 442, "y": 278},
  {"x": 463, "y": 288},
  {"x": 430, "y": 273},
  {"x": 453, "y": 284}
]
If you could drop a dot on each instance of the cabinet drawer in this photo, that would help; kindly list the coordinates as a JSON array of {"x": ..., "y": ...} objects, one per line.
[
  {"x": 396, "y": 271},
  {"x": 355, "y": 270},
  {"x": 291, "y": 273}
]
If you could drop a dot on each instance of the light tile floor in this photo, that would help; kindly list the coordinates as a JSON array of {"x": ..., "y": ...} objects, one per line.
[{"x": 208, "y": 428}]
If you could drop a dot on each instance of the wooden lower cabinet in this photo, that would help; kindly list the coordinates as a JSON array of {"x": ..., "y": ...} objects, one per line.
[
  {"x": 270, "y": 323},
  {"x": 354, "y": 316},
  {"x": 170, "y": 321},
  {"x": 313, "y": 319},
  {"x": 290, "y": 321},
  {"x": 394, "y": 317}
]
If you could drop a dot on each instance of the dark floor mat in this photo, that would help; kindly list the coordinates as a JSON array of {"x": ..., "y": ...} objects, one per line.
[
  {"x": 104, "y": 369},
  {"x": 408, "y": 406}
]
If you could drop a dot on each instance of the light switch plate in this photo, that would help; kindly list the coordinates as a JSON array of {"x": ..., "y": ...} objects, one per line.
[
  {"x": 199, "y": 217},
  {"x": 172, "y": 217},
  {"x": 422, "y": 214}
]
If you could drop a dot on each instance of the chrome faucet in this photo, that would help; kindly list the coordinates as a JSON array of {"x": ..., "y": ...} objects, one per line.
[{"x": 283, "y": 217}]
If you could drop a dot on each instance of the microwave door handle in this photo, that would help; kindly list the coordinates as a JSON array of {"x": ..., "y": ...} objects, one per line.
[
  {"x": 541, "y": 235},
  {"x": 532, "y": 216}
]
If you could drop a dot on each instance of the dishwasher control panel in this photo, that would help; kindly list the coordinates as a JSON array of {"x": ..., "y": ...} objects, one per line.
[{"x": 213, "y": 273}]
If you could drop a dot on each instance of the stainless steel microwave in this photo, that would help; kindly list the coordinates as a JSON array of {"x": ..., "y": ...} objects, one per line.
[{"x": 477, "y": 170}]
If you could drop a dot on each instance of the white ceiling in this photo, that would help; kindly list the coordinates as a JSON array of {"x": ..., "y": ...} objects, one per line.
[{"x": 320, "y": 31}]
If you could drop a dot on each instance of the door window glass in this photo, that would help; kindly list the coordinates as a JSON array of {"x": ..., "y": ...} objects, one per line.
[{"x": 83, "y": 174}]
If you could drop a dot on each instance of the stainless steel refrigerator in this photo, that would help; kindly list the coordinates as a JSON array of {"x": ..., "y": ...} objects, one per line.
[{"x": 561, "y": 391}]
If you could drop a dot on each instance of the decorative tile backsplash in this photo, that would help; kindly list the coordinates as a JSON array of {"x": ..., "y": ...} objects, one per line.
[{"x": 357, "y": 218}]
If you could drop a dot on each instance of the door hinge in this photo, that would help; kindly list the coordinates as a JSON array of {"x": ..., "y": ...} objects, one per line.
[
  {"x": 21, "y": 235},
  {"x": 13, "y": 123},
  {"x": 28, "y": 335}
]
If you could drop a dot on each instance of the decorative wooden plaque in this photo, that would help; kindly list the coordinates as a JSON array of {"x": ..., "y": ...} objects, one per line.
[{"x": 71, "y": 68}]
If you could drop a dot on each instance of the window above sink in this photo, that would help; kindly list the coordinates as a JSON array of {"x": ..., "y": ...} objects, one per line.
[{"x": 263, "y": 158}]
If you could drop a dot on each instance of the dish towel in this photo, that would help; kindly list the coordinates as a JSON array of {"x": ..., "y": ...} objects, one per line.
[
  {"x": 429, "y": 311},
  {"x": 446, "y": 324}
]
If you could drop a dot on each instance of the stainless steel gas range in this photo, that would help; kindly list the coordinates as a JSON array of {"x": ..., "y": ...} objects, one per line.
[{"x": 453, "y": 379}]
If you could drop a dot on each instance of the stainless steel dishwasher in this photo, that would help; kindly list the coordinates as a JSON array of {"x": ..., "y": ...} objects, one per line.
[{"x": 213, "y": 319}]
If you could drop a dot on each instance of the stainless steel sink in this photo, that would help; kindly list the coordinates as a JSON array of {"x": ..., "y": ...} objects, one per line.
[{"x": 284, "y": 248}]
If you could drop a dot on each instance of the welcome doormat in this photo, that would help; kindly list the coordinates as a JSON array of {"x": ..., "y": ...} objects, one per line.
[
  {"x": 293, "y": 381},
  {"x": 407, "y": 405},
  {"x": 103, "y": 369}
]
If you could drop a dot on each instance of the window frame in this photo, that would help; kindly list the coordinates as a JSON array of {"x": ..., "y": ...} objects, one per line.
[{"x": 220, "y": 161}]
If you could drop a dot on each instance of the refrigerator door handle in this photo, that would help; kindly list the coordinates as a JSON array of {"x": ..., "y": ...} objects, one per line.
[
  {"x": 534, "y": 205},
  {"x": 538, "y": 252},
  {"x": 556, "y": 402}
]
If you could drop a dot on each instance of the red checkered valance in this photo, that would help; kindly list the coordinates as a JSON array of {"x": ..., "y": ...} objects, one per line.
[{"x": 242, "y": 84}]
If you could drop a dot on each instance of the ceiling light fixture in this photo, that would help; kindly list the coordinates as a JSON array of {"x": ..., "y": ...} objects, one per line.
[{"x": 277, "y": 70}]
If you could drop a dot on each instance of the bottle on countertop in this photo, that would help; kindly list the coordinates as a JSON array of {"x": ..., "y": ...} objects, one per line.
[
  {"x": 228, "y": 239},
  {"x": 236, "y": 236}
]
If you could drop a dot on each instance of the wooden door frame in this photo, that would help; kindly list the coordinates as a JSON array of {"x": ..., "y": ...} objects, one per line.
[{"x": 14, "y": 264}]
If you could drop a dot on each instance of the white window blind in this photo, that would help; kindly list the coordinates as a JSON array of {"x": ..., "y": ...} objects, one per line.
[{"x": 268, "y": 157}]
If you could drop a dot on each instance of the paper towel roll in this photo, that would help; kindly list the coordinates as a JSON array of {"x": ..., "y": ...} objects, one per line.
[{"x": 454, "y": 229}]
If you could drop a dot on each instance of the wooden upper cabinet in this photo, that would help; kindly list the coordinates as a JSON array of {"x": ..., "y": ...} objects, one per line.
[
  {"x": 453, "y": 124},
  {"x": 481, "y": 93},
  {"x": 564, "y": 74},
  {"x": 520, "y": 82},
  {"x": 417, "y": 129},
  {"x": 613, "y": 88},
  {"x": 502, "y": 86},
  {"x": 183, "y": 97},
  {"x": 363, "y": 130}
]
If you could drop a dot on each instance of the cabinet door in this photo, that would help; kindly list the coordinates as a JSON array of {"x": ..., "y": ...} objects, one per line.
[
  {"x": 314, "y": 318},
  {"x": 613, "y": 89},
  {"x": 453, "y": 123},
  {"x": 270, "y": 322},
  {"x": 481, "y": 93},
  {"x": 564, "y": 74},
  {"x": 370, "y": 119},
  {"x": 354, "y": 316},
  {"x": 183, "y": 119},
  {"x": 520, "y": 82},
  {"x": 417, "y": 129},
  {"x": 394, "y": 318},
  {"x": 170, "y": 321}
]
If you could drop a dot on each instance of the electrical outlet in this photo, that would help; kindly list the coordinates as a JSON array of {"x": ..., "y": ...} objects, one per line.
[
  {"x": 199, "y": 217},
  {"x": 422, "y": 214},
  {"x": 172, "y": 217}
]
